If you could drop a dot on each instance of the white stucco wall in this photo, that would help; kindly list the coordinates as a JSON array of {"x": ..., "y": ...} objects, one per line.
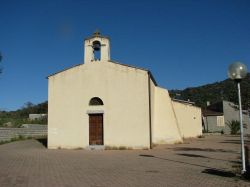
[
  {"x": 165, "y": 125},
  {"x": 124, "y": 91},
  {"x": 89, "y": 52},
  {"x": 189, "y": 119},
  {"x": 152, "y": 87}
]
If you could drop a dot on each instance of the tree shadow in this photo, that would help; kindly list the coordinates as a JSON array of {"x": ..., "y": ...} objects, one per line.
[
  {"x": 235, "y": 141},
  {"x": 201, "y": 149},
  {"x": 207, "y": 170},
  {"x": 245, "y": 140},
  {"x": 219, "y": 172},
  {"x": 176, "y": 161},
  {"x": 43, "y": 141},
  {"x": 191, "y": 155},
  {"x": 201, "y": 156},
  {"x": 230, "y": 142},
  {"x": 147, "y": 155},
  {"x": 235, "y": 162}
]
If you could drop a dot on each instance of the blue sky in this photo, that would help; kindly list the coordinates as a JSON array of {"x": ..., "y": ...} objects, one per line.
[{"x": 185, "y": 43}]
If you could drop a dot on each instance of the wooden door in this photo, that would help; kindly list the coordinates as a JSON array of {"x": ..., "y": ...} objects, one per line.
[{"x": 95, "y": 129}]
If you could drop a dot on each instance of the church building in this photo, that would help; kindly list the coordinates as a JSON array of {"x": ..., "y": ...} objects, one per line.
[{"x": 108, "y": 105}]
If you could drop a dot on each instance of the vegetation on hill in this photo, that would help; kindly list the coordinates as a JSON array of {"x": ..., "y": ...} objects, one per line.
[
  {"x": 224, "y": 90},
  {"x": 20, "y": 116}
]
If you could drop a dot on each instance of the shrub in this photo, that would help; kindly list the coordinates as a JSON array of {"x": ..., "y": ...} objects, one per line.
[
  {"x": 234, "y": 126},
  {"x": 201, "y": 136}
]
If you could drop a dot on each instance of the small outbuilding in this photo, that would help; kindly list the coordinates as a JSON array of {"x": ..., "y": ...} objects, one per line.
[
  {"x": 106, "y": 104},
  {"x": 217, "y": 116}
]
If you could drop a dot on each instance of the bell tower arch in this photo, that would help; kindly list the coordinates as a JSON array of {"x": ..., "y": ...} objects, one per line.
[{"x": 96, "y": 48}]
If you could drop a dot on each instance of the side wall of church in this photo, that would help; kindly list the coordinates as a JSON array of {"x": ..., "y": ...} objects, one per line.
[
  {"x": 124, "y": 92},
  {"x": 165, "y": 127},
  {"x": 152, "y": 107},
  {"x": 189, "y": 119}
]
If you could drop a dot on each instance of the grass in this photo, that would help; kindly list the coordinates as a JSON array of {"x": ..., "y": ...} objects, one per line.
[
  {"x": 17, "y": 122},
  {"x": 4, "y": 142},
  {"x": 17, "y": 138}
]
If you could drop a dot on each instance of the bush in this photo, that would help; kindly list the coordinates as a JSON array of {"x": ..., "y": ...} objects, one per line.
[
  {"x": 234, "y": 126},
  {"x": 201, "y": 136},
  {"x": 18, "y": 122}
]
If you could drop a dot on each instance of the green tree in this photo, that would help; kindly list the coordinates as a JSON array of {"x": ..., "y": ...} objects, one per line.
[
  {"x": 28, "y": 104},
  {"x": 218, "y": 91}
]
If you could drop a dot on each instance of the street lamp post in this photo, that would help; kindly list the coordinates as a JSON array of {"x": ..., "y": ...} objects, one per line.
[{"x": 237, "y": 71}]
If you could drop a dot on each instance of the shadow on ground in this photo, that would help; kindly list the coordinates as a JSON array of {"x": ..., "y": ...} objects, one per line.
[
  {"x": 191, "y": 155},
  {"x": 201, "y": 149},
  {"x": 43, "y": 141},
  {"x": 219, "y": 172},
  {"x": 208, "y": 170},
  {"x": 201, "y": 156},
  {"x": 235, "y": 141},
  {"x": 176, "y": 161}
]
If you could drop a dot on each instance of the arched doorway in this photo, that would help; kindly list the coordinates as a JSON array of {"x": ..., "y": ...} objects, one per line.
[{"x": 95, "y": 124}]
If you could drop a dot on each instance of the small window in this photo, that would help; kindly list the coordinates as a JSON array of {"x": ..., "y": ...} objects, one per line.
[
  {"x": 95, "y": 101},
  {"x": 220, "y": 121}
]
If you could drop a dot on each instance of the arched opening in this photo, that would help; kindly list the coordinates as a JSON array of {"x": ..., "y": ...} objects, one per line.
[
  {"x": 96, "y": 123},
  {"x": 97, "y": 50},
  {"x": 95, "y": 101}
]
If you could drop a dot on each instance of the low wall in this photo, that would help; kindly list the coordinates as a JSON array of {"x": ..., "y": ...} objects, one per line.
[{"x": 29, "y": 130}]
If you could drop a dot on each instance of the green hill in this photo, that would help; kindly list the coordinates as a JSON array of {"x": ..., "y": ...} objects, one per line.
[
  {"x": 20, "y": 116},
  {"x": 215, "y": 92}
]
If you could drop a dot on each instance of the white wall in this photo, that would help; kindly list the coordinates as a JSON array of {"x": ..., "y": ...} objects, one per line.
[
  {"x": 165, "y": 125},
  {"x": 89, "y": 52},
  {"x": 189, "y": 119},
  {"x": 124, "y": 91}
]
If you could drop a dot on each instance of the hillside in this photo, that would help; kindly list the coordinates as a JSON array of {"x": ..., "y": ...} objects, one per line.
[
  {"x": 20, "y": 116},
  {"x": 214, "y": 92}
]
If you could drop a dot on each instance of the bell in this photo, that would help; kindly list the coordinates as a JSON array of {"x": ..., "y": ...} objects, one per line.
[{"x": 96, "y": 45}]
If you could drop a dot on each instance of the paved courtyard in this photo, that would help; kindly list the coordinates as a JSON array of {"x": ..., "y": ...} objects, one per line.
[{"x": 209, "y": 161}]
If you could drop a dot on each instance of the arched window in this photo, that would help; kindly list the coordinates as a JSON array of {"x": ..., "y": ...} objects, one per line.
[{"x": 95, "y": 101}]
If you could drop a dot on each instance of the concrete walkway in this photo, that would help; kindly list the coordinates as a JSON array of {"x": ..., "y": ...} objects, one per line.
[{"x": 209, "y": 161}]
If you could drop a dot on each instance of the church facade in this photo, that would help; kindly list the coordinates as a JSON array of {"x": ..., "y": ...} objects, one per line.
[{"x": 105, "y": 104}]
